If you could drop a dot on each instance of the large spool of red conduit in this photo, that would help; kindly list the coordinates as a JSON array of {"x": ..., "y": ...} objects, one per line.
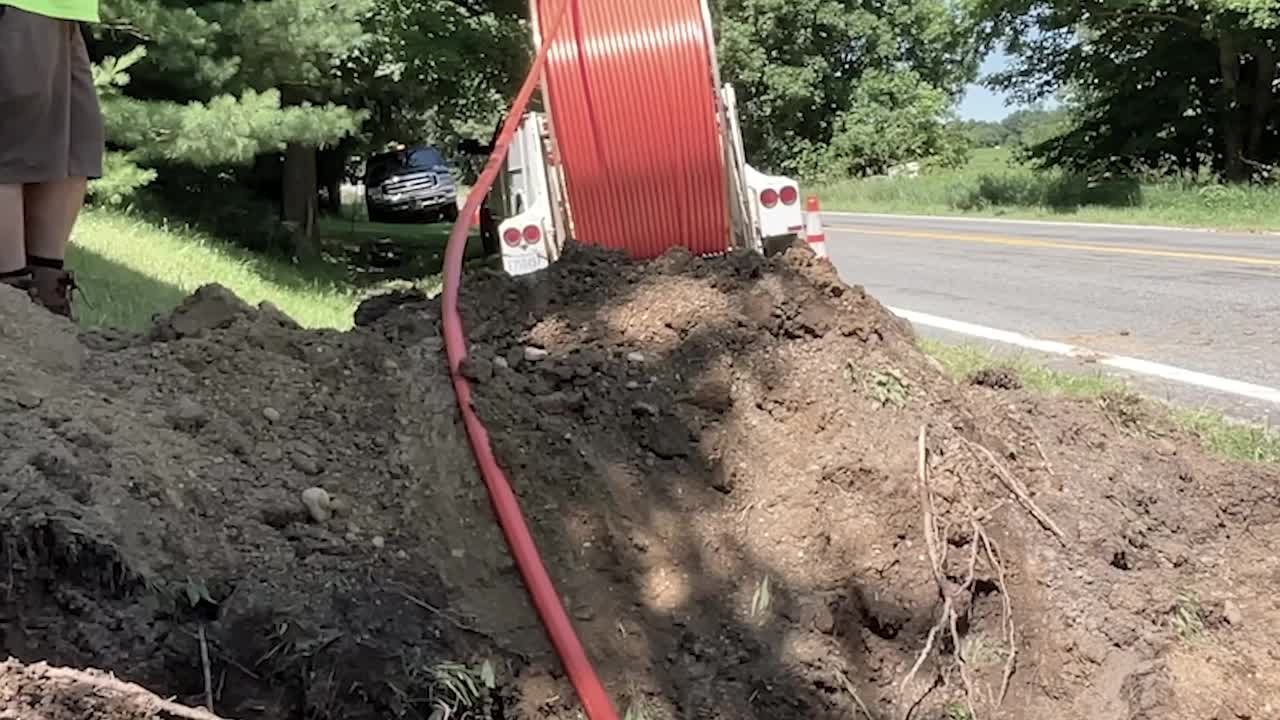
[{"x": 631, "y": 95}]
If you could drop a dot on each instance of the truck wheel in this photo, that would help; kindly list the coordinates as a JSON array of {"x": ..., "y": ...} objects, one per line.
[{"x": 450, "y": 214}]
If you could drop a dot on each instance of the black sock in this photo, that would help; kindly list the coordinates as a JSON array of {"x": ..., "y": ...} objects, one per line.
[
  {"x": 40, "y": 262},
  {"x": 13, "y": 274}
]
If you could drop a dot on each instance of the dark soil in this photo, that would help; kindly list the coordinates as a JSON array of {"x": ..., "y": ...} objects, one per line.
[
  {"x": 997, "y": 378},
  {"x": 719, "y": 458}
]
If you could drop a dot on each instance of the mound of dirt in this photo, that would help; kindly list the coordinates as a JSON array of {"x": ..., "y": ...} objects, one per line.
[
  {"x": 41, "y": 692},
  {"x": 758, "y": 499}
]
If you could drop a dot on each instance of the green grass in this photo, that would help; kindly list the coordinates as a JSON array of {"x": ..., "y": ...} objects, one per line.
[
  {"x": 1218, "y": 433},
  {"x": 132, "y": 268},
  {"x": 1188, "y": 617},
  {"x": 993, "y": 184}
]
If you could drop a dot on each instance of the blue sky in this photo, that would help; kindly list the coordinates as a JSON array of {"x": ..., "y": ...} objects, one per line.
[{"x": 980, "y": 103}]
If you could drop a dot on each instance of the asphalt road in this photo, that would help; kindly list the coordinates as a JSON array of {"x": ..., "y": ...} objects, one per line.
[{"x": 1203, "y": 303}]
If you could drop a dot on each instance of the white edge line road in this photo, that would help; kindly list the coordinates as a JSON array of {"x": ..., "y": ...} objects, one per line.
[
  {"x": 1052, "y": 223},
  {"x": 1144, "y": 367}
]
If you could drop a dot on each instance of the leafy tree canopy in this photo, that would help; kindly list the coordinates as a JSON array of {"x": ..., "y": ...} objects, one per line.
[
  {"x": 812, "y": 73},
  {"x": 1154, "y": 85}
]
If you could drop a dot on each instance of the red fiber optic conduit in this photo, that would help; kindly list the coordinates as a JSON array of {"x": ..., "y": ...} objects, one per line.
[
  {"x": 632, "y": 104},
  {"x": 505, "y": 505}
]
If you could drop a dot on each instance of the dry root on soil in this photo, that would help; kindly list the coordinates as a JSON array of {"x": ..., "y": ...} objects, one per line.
[{"x": 956, "y": 597}]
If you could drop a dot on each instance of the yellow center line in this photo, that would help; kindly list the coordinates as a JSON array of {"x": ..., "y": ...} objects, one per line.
[{"x": 1062, "y": 245}]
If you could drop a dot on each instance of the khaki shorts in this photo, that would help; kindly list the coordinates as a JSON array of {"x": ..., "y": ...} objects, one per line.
[{"x": 50, "y": 122}]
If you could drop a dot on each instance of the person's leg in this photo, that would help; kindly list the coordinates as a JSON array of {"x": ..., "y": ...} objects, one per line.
[
  {"x": 52, "y": 207},
  {"x": 51, "y": 210},
  {"x": 13, "y": 254}
]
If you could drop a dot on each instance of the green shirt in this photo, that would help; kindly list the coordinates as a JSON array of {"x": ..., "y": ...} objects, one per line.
[{"x": 81, "y": 10}]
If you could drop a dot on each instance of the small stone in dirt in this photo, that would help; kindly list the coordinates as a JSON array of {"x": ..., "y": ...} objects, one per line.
[
  {"x": 319, "y": 503},
  {"x": 477, "y": 369},
  {"x": 644, "y": 408},
  {"x": 1166, "y": 447},
  {"x": 534, "y": 354},
  {"x": 501, "y": 363},
  {"x": 635, "y": 357},
  {"x": 585, "y": 613},
  {"x": 996, "y": 378},
  {"x": 379, "y": 542},
  {"x": 27, "y": 400},
  {"x": 271, "y": 414},
  {"x": 390, "y": 365},
  {"x": 305, "y": 463},
  {"x": 1232, "y": 614},
  {"x": 633, "y": 385},
  {"x": 188, "y": 415}
]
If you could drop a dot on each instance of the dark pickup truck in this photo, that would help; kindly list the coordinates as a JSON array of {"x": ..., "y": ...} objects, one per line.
[{"x": 413, "y": 185}]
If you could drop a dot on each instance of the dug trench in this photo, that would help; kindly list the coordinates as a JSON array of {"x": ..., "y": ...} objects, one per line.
[{"x": 758, "y": 499}]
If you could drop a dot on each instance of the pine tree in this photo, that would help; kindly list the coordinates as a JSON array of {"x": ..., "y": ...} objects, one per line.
[{"x": 219, "y": 86}]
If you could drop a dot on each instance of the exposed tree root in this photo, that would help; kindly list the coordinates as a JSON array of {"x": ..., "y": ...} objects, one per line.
[
  {"x": 957, "y": 598},
  {"x": 1019, "y": 490}
]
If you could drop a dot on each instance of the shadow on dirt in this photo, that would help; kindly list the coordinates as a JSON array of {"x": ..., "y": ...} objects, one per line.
[{"x": 663, "y": 424}]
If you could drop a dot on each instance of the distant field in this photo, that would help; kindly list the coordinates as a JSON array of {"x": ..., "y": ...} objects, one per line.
[{"x": 994, "y": 185}]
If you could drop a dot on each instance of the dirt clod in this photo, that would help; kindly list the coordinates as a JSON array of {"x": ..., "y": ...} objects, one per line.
[
  {"x": 477, "y": 369},
  {"x": 997, "y": 378},
  {"x": 737, "y": 522},
  {"x": 188, "y": 415},
  {"x": 1232, "y": 614}
]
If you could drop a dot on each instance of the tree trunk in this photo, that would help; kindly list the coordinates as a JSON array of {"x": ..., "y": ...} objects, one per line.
[
  {"x": 1263, "y": 96},
  {"x": 332, "y": 168},
  {"x": 300, "y": 198},
  {"x": 1232, "y": 127}
]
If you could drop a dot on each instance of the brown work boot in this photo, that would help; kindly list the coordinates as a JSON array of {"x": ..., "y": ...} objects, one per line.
[{"x": 52, "y": 288}]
